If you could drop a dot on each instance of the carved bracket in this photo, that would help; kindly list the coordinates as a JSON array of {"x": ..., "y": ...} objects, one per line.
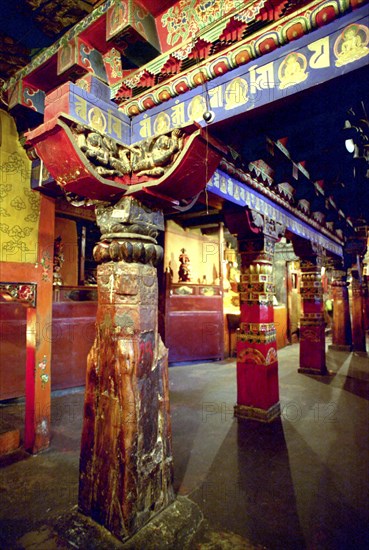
[{"x": 162, "y": 170}]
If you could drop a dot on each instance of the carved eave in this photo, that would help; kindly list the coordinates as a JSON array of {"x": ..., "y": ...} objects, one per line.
[
  {"x": 56, "y": 147},
  {"x": 189, "y": 174},
  {"x": 185, "y": 177}
]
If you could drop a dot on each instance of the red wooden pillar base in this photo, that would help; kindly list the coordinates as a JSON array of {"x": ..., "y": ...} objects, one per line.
[
  {"x": 341, "y": 330},
  {"x": 312, "y": 345},
  {"x": 257, "y": 363}
]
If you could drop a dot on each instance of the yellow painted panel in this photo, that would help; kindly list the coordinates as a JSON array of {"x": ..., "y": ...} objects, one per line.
[{"x": 19, "y": 205}]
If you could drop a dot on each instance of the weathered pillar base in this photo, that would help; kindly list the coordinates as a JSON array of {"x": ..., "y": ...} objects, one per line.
[
  {"x": 312, "y": 349},
  {"x": 336, "y": 347},
  {"x": 254, "y": 413},
  {"x": 305, "y": 370},
  {"x": 361, "y": 353}
]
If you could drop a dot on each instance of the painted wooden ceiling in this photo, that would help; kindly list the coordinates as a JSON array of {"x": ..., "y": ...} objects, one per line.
[{"x": 312, "y": 122}]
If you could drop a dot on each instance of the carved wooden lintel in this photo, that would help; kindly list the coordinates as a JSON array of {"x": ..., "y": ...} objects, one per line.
[{"x": 25, "y": 293}]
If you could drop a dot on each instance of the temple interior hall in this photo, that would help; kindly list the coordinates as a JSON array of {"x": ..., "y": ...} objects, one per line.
[{"x": 184, "y": 274}]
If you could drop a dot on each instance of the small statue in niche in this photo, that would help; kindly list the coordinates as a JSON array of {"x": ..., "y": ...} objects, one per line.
[
  {"x": 169, "y": 270},
  {"x": 58, "y": 261},
  {"x": 184, "y": 269}
]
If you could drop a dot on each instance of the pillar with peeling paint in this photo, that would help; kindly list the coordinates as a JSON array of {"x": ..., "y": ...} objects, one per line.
[{"x": 126, "y": 456}]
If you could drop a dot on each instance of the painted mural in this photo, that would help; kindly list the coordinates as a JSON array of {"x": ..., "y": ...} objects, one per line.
[
  {"x": 187, "y": 18},
  {"x": 255, "y": 84},
  {"x": 19, "y": 206}
]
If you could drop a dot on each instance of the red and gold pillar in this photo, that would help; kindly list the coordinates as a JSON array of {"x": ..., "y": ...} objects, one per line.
[
  {"x": 126, "y": 457},
  {"x": 312, "y": 324},
  {"x": 341, "y": 330},
  {"x": 257, "y": 362}
]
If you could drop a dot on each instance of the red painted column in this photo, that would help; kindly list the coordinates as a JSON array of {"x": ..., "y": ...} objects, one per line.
[
  {"x": 38, "y": 390},
  {"x": 29, "y": 428},
  {"x": 358, "y": 327},
  {"x": 341, "y": 330},
  {"x": 257, "y": 362},
  {"x": 312, "y": 324}
]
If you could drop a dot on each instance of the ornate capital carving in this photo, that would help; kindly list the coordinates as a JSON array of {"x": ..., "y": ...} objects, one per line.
[
  {"x": 257, "y": 250},
  {"x": 273, "y": 229},
  {"x": 311, "y": 254},
  {"x": 128, "y": 215},
  {"x": 129, "y": 232}
]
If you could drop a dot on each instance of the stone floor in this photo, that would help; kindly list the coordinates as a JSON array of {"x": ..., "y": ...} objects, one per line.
[{"x": 301, "y": 482}]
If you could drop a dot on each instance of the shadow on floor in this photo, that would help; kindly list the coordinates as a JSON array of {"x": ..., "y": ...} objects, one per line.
[{"x": 249, "y": 487}]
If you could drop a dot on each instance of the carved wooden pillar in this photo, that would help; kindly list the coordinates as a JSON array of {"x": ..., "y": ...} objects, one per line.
[
  {"x": 312, "y": 324},
  {"x": 257, "y": 362},
  {"x": 341, "y": 330},
  {"x": 358, "y": 326},
  {"x": 366, "y": 302},
  {"x": 126, "y": 456}
]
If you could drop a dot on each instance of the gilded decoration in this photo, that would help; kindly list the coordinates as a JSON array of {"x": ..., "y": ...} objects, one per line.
[
  {"x": 236, "y": 93},
  {"x": 292, "y": 70},
  {"x": 351, "y": 45},
  {"x": 251, "y": 355},
  {"x": 253, "y": 197},
  {"x": 151, "y": 157},
  {"x": 261, "y": 338},
  {"x": 310, "y": 335},
  {"x": 255, "y": 356}
]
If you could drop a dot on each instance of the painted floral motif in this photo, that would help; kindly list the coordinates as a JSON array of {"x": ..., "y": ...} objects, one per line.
[
  {"x": 46, "y": 264},
  {"x": 188, "y": 17},
  {"x": 4, "y": 189},
  {"x": 16, "y": 234},
  {"x": 33, "y": 200},
  {"x": 16, "y": 164},
  {"x": 43, "y": 375},
  {"x": 18, "y": 203},
  {"x": 4, "y": 213},
  {"x": 21, "y": 292},
  {"x": 113, "y": 60}
]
